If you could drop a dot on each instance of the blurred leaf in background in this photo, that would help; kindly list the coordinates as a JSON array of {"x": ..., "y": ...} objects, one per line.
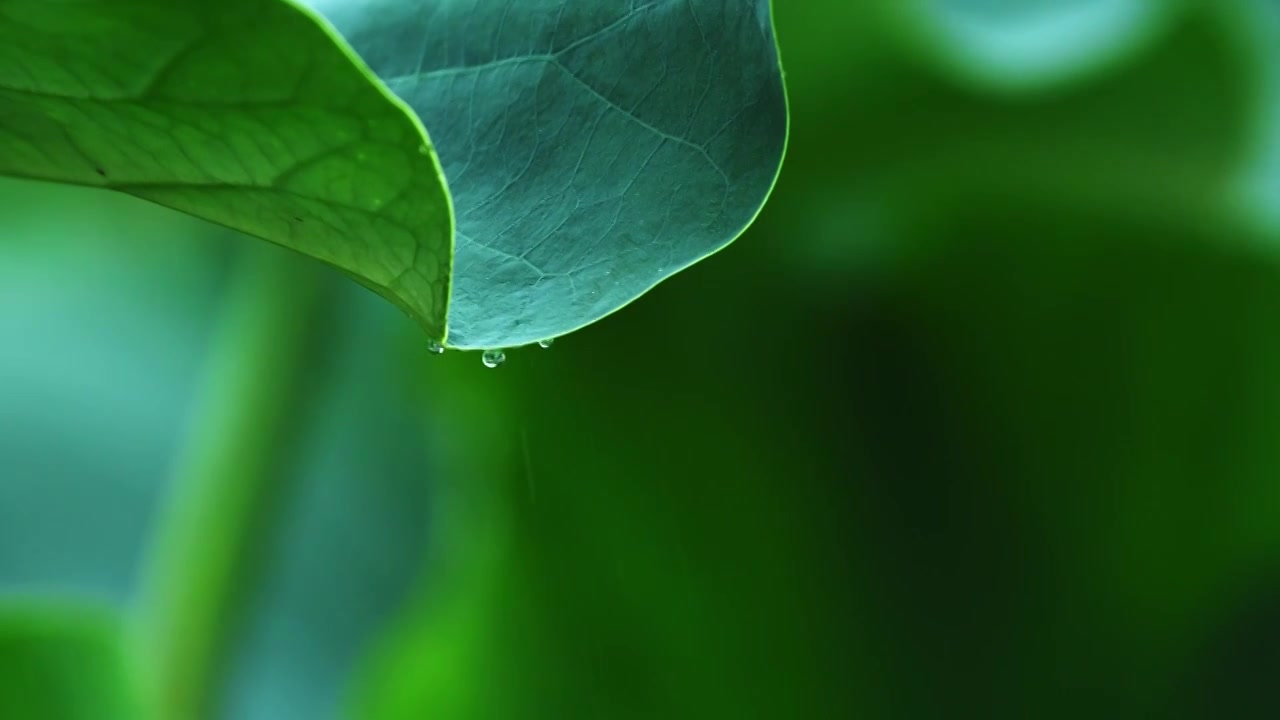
[
  {"x": 62, "y": 662},
  {"x": 1026, "y": 45},
  {"x": 100, "y": 388},
  {"x": 980, "y": 418}
]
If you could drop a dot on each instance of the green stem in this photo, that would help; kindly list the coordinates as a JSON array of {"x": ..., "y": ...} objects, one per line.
[{"x": 225, "y": 478}]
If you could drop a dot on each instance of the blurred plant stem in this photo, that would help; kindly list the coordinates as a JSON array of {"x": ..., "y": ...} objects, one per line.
[{"x": 226, "y": 477}]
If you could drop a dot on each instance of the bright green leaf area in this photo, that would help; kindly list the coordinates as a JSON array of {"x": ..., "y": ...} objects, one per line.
[
  {"x": 592, "y": 148},
  {"x": 63, "y": 663},
  {"x": 243, "y": 112}
]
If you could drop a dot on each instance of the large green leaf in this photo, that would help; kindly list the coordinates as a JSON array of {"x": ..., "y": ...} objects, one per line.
[
  {"x": 244, "y": 112},
  {"x": 63, "y": 663},
  {"x": 592, "y": 148}
]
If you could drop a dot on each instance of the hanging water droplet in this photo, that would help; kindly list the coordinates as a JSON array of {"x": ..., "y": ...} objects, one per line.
[
  {"x": 544, "y": 344},
  {"x": 435, "y": 348},
  {"x": 493, "y": 358}
]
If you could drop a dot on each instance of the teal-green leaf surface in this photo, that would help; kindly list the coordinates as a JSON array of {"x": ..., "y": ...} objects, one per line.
[{"x": 592, "y": 147}]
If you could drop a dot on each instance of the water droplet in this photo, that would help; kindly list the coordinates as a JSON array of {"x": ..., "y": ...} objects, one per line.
[
  {"x": 424, "y": 150},
  {"x": 435, "y": 348},
  {"x": 544, "y": 344},
  {"x": 493, "y": 358}
]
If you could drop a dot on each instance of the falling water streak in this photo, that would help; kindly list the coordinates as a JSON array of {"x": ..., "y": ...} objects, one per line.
[{"x": 528, "y": 464}]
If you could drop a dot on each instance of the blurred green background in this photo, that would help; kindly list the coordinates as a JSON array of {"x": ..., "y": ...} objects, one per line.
[{"x": 981, "y": 418}]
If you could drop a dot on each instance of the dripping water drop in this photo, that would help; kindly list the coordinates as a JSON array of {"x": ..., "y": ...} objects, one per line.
[
  {"x": 544, "y": 344},
  {"x": 493, "y": 358},
  {"x": 435, "y": 348}
]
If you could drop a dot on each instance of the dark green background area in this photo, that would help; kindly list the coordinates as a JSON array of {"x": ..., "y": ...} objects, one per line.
[{"x": 981, "y": 418}]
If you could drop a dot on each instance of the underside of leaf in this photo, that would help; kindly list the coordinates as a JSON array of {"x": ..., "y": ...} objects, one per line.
[{"x": 243, "y": 112}]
